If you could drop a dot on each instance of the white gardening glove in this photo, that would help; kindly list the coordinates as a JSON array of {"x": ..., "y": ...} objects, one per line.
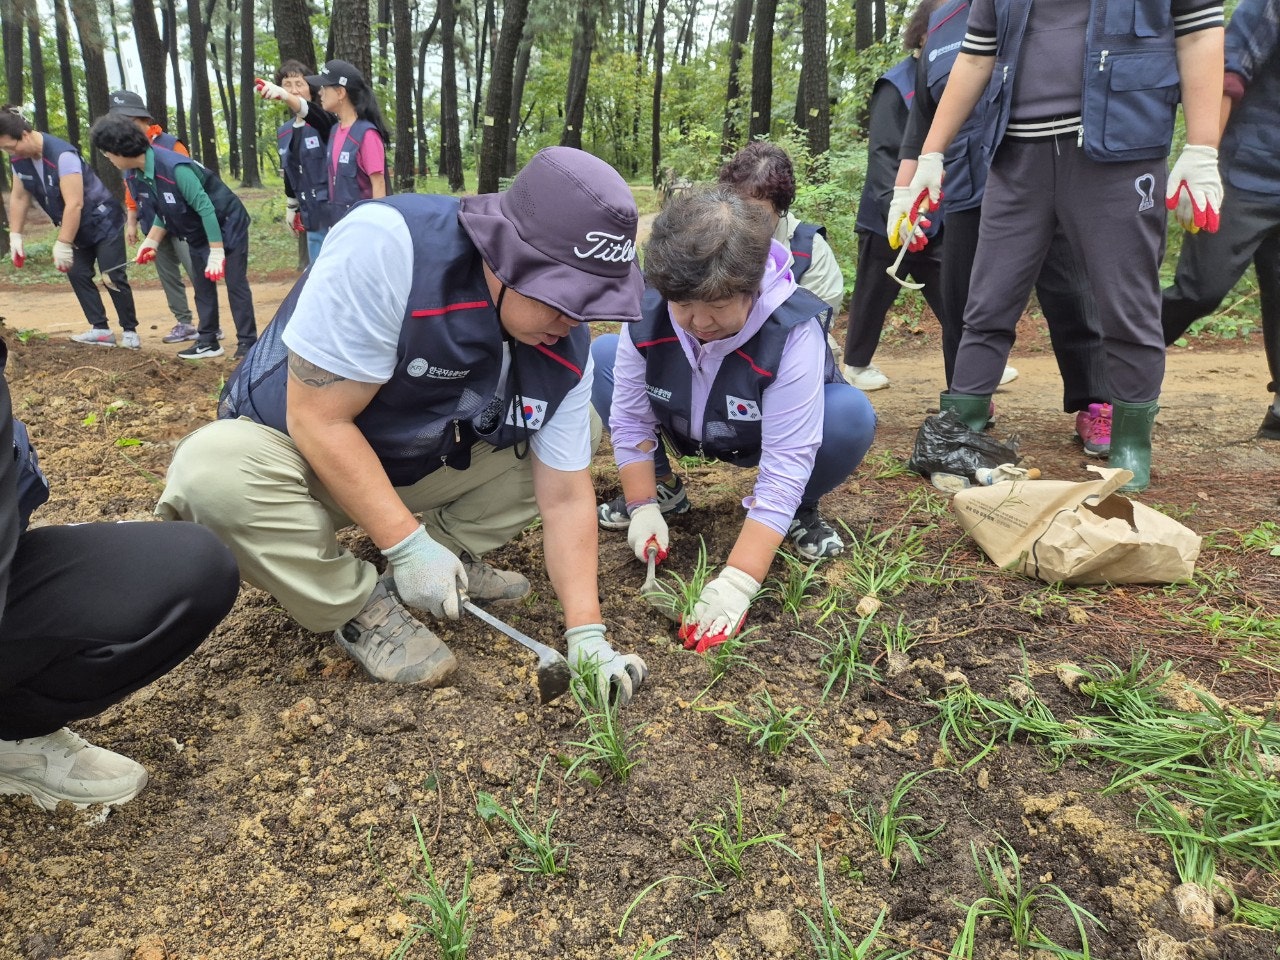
[
  {"x": 268, "y": 90},
  {"x": 216, "y": 268},
  {"x": 293, "y": 216},
  {"x": 720, "y": 611},
  {"x": 900, "y": 227},
  {"x": 427, "y": 575},
  {"x": 16, "y": 250},
  {"x": 64, "y": 255},
  {"x": 617, "y": 676},
  {"x": 1195, "y": 189},
  {"x": 926, "y": 185},
  {"x": 648, "y": 528},
  {"x": 147, "y": 252}
]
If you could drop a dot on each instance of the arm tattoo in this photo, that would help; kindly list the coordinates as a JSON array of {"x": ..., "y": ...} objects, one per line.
[{"x": 308, "y": 373}]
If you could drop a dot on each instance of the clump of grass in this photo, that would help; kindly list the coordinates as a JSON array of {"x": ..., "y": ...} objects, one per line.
[
  {"x": 677, "y": 596},
  {"x": 447, "y": 921},
  {"x": 657, "y": 950},
  {"x": 541, "y": 853},
  {"x": 722, "y": 840},
  {"x": 795, "y": 583},
  {"x": 880, "y": 564},
  {"x": 608, "y": 743},
  {"x": 892, "y": 828},
  {"x": 842, "y": 656},
  {"x": 768, "y": 727}
]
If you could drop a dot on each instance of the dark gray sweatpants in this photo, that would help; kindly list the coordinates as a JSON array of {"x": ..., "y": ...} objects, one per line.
[{"x": 1113, "y": 215}]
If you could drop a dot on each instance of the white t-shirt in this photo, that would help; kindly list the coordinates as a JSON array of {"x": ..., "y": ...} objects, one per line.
[{"x": 348, "y": 318}]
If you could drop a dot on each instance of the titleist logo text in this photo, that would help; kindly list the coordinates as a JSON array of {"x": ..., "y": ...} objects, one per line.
[{"x": 609, "y": 247}]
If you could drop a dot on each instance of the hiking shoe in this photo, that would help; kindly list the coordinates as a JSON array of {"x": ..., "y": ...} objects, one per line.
[
  {"x": 180, "y": 333},
  {"x": 242, "y": 350},
  {"x": 97, "y": 337},
  {"x": 866, "y": 378},
  {"x": 1270, "y": 429},
  {"x": 813, "y": 537},
  {"x": 201, "y": 351},
  {"x": 1010, "y": 374},
  {"x": 671, "y": 500},
  {"x": 1093, "y": 427},
  {"x": 392, "y": 645},
  {"x": 130, "y": 340},
  {"x": 64, "y": 766},
  {"x": 486, "y": 584}
]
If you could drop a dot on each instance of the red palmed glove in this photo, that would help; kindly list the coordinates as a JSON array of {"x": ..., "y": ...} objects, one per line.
[{"x": 720, "y": 611}]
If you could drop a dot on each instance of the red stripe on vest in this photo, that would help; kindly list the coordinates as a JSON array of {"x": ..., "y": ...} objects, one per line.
[
  {"x": 654, "y": 343},
  {"x": 558, "y": 359},
  {"x": 438, "y": 311},
  {"x": 759, "y": 370},
  {"x": 797, "y": 253}
]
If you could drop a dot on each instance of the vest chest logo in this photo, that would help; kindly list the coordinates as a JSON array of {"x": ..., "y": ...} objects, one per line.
[
  {"x": 657, "y": 393},
  {"x": 740, "y": 409},
  {"x": 935, "y": 54},
  {"x": 170, "y": 198},
  {"x": 52, "y": 179},
  {"x": 419, "y": 367},
  {"x": 311, "y": 142},
  {"x": 609, "y": 247},
  {"x": 531, "y": 413},
  {"x": 26, "y": 176},
  {"x": 344, "y": 156}
]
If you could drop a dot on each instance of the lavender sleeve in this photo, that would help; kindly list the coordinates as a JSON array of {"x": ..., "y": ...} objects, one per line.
[
  {"x": 70, "y": 165},
  {"x": 631, "y": 419},
  {"x": 791, "y": 430}
]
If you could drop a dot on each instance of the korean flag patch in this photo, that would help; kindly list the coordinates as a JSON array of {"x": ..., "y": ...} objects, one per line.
[
  {"x": 311, "y": 142},
  {"x": 740, "y": 409},
  {"x": 531, "y": 413},
  {"x": 344, "y": 156},
  {"x": 170, "y": 198}
]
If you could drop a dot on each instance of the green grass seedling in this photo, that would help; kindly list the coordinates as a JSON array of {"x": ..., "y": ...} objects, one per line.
[
  {"x": 879, "y": 564},
  {"x": 831, "y": 942},
  {"x": 722, "y": 840},
  {"x": 1257, "y": 914},
  {"x": 540, "y": 854},
  {"x": 679, "y": 594},
  {"x": 842, "y": 656},
  {"x": 768, "y": 727},
  {"x": 891, "y": 827},
  {"x": 798, "y": 579},
  {"x": 966, "y": 717},
  {"x": 1134, "y": 690},
  {"x": 885, "y": 466},
  {"x": 657, "y": 950},
  {"x": 608, "y": 742},
  {"x": 724, "y": 658},
  {"x": 1194, "y": 856},
  {"x": 446, "y": 921}
]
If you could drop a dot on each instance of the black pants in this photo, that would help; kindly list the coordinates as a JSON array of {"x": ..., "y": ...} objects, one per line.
[
  {"x": 238, "y": 294},
  {"x": 1063, "y": 291},
  {"x": 875, "y": 291},
  {"x": 97, "y": 611},
  {"x": 107, "y": 254},
  {"x": 1210, "y": 264}
]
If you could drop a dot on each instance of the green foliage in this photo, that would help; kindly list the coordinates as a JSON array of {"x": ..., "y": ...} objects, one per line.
[
  {"x": 891, "y": 827},
  {"x": 541, "y": 853},
  {"x": 768, "y": 727},
  {"x": 831, "y": 942},
  {"x": 446, "y": 921},
  {"x": 607, "y": 742},
  {"x": 721, "y": 840}
]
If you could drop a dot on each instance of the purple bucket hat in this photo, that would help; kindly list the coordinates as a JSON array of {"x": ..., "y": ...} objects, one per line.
[{"x": 564, "y": 234}]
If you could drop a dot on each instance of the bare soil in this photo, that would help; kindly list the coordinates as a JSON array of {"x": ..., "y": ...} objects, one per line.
[{"x": 279, "y": 821}]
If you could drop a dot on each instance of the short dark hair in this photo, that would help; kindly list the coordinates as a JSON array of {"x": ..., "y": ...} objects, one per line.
[
  {"x": 12, "y": 123},
  {"x": 762, "y": 171},
  {"x": 917, "y": 31},
  {"x": 293, "y": 68},
  {"x": 708, "y": 245},
  {"x": 113, "y": 133}
]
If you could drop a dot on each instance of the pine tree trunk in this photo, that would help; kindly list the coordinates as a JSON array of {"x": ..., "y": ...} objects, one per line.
[
  {"x": 36, "y": 54},
  {"x": 575, "y": 101},
  {"x": 350, "y": 34},
  {"x": 762, "y": 70},
  {"x": 882, "y": 24},
  {"x": 70, "y": 98},
  {"x": 484, "y": 39},
  {"x": 11, "y": 37},
  {"x": 655, "y": 123},
  {"x": 510, "y": 156},
  {"x": 863, "y": 24},
  {"x": 497, "y": 107},
  {"x": 248, "y": 98},
  {"x": 450, "y": 142},
  {"x": 85, "y": 14},
  {"x": 115, "y": 39},
  {"x": 151, "y": 54},
  {"x": 227, "y": 92},
  {"x": 402, "y": 45},
  {"x": 739, "y": 30},
  {"x": 203, "y": 143},
  {"x": 817, "y": 103},
  {"x": 293, "y": 33},
  {"x": 424, "y": 153},
  {"x": 384, "y": 21}
]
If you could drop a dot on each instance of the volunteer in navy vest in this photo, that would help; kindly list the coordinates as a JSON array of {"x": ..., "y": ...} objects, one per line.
[
  {"x": 1062, "y": 290},
  {"x": 303, "y": 144},
  {"x": 89, "y": 613},
  {"x": 874, "y": 291},
  {"x": 1087, "y": 152},
  {"x": 89, "y": 221},
  {"x": 172, "y": 256},
  {"x": 357, "y": 160},
  {"x": 1210, "y": 264},
  {"x": 763, "y": 172},
  {"x": 191, "y": 202},
  {"x": 729, "y": 361},
  {"x": 433, "y": 360}
]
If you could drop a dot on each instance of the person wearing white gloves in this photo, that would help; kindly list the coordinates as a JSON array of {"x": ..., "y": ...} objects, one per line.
[
  {"x": 1087, "y": 154},
  {"x": 193, "y": 204},
  {"x": 428, "y": 380},
  {"x": 729, "y": 361},
  {"x": 90, "y": 223}
]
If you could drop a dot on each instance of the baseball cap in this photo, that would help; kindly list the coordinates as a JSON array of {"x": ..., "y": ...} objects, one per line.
[
  {"x": 336, "y": 73},
  {"x": 563, "y": 234},
  {"x": 128, "y": 104}
]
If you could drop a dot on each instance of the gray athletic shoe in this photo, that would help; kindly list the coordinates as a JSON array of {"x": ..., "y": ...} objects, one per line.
[
  {"x": 64, "y": 766},
  {"x": 96, "y": 337},
  {"x": 392, "y": 645},
  {"x": 487, "y": 585}
]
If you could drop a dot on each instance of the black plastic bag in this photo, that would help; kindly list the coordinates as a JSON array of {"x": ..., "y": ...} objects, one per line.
[{"x": 945, "y": 444}]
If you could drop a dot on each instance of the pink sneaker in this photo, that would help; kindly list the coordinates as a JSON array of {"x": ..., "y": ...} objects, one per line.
[{"x": 1093, "y": 427}]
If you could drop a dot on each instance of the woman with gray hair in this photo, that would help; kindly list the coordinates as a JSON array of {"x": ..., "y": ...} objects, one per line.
[{"x": 729, "y": 361}]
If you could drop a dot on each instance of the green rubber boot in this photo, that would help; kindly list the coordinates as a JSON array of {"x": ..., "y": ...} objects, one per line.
[
  {"x": 972, "y": 409},
  {"x": 1131, "y": 441}
]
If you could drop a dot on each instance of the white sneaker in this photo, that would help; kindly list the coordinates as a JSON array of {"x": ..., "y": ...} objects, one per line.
[
  {"x": 866, "y": 378},
  {"x": 1010, "y": 374},
  {"x": 64, "y": 766},
  {"x": 97, "y": 337},
  {"x": 130, "y": 340}
]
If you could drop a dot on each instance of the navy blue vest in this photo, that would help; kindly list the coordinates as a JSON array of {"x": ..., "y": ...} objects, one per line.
[
  {"x": 142, "y": 197},
  {"x": 179, "y": 218},
  {"x": 343, "y": 177},
  {"x": 729, "y": 435},
  {"x": 965, "y": 165},
  {"x": 101, "y": 216},
  {"x": 1131, "y": 81},
  {"x": 443, "y": 394},
  {"x": 304, "y": 156},
  {"x": 1250, "y": 153},
  {"x": 802, "y": 247}
]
